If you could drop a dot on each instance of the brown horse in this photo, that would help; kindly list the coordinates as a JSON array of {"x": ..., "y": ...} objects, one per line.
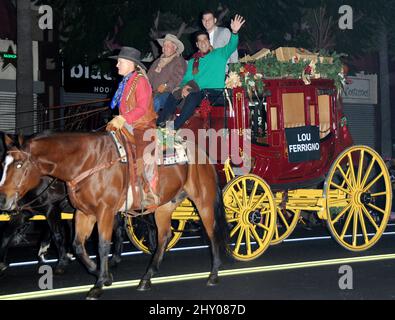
[{"x": 97, "y": 182}]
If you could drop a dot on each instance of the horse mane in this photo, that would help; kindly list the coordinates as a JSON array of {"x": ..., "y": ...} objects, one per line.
[{"x": 51, "y": 133}]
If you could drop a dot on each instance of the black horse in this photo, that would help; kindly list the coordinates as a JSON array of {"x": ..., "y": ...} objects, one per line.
[{"x": 49, "y": 199}]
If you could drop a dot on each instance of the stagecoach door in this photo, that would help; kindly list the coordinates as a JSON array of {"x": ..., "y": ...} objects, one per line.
[{"x": 306, "y": 117}]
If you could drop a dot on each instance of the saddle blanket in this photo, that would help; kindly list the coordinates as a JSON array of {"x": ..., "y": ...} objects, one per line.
[
  {"x": 175, "y": 155},
  {"x": 174, "y": 151}
]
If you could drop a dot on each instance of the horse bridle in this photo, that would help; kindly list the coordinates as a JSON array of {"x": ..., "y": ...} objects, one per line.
[{"x": 17, "y": 192}]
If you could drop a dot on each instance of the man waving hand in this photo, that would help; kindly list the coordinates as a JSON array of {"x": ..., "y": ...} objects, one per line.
[{"x": 205, "y": 75}]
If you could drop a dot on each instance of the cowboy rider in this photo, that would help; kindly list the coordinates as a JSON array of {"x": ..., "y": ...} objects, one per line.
[{"x": 135, "y": 103}]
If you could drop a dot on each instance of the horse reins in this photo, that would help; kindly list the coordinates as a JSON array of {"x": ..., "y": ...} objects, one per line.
[
  {"x": 29, "y": 204},
  {"x": 29, "y": 159},
  {"x": 17, "y": 193}
]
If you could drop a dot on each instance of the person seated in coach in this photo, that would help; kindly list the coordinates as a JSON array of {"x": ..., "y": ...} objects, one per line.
[
  {"x": 166, "y": 73},
  {"x": 205, "y": 73}
]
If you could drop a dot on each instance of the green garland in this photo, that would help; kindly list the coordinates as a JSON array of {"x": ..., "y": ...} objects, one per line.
[
  {"x": 270, "y": 68},
  {"x": 333, "y": 70}
]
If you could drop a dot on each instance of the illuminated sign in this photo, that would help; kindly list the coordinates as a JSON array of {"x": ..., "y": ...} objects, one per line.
[{"x": 8, "y": 58}]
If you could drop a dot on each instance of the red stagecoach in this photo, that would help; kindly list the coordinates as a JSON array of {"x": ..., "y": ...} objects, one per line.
[{"x": 300, "y": 158}]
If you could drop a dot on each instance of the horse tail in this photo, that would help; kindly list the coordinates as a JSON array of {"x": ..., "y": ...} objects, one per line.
[{"x": 221, "y": 230}]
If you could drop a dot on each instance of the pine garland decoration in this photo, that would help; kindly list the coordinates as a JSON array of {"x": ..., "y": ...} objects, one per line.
[{"x": 328, "y": 66}]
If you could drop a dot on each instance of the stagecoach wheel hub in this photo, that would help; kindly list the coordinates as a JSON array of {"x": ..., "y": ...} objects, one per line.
[
  {"x": 255, "y": 217},
  {"x": 366, "y": 198}
]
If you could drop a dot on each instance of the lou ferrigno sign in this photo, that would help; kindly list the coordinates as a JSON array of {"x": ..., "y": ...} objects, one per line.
[{"x": 303, "y": 144}]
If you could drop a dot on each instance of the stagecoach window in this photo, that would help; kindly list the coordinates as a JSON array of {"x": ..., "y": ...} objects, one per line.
[
  {"x": 293, "y": 110},
  {"x": 313, "y": 121},
  {"x": 324, "y": 115},
  {"x": 258, "y": 121},
  {"x": 274, "y": 119}
]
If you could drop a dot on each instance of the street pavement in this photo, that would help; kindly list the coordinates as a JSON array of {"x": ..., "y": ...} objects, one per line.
[{"x": 308, "y": 265}]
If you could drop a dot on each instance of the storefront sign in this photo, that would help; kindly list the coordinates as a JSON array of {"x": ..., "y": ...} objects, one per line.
[
  {"x": 89, "y": 79},
  {"x": 361, "y": 89}
]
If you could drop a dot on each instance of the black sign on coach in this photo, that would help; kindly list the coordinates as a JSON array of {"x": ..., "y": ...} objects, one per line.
[{"x": 303, "y": 144}]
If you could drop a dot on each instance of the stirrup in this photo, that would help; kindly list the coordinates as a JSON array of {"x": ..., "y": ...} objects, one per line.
[
  {"x": 147, "y": 205},
  {"x": 151, "y": 198}
]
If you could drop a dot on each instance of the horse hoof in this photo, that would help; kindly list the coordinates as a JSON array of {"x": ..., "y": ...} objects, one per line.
[
  {"x": 109, "y": 280},
  {"x": 144, "y": 285},
  {"x": 3, "y": 267},
  {"x": 94, "y": 293},
  {"x": 212, "y": 281}
]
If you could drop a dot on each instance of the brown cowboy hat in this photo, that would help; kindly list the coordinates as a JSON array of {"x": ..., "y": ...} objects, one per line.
[
  {"x": 175, "y": 40},
  {"x": 131, "y": 54}
]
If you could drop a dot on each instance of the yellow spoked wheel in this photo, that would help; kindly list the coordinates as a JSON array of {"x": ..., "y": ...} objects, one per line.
[
  {"x": 251, "y": 216},
  {"x": 286, "y": 223},
  {"x": 142, "y": 231},
  {"x": 143, "y": 235},
  {"x": 358, "y": 197}
]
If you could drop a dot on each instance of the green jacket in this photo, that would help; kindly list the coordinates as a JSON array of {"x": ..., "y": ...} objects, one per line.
[{"x": 211, "y": 73}]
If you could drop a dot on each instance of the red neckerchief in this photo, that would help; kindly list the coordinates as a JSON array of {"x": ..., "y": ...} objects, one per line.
[{"x": 197, "y": 56}]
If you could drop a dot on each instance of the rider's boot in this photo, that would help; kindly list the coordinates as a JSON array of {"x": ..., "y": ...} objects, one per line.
[{"x": 150, "y": 200}]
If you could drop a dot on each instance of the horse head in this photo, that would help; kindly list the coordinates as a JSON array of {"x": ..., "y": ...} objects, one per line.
[{"x": 20, "y": 174}]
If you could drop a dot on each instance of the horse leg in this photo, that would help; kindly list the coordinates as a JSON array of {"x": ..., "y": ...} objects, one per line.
[
  {"x": 163, "y": 223},
  {"x": 210, "y": 206},
  {"x": 119, "y": 225},
  {"x": 45, "y": 242},
  {"x": 69, "y": 235},
  {"x": 105, "y": 223},
  {"x": 58, "y": 234},
  {"x": 151, "y": 230},
  {"x": 15, "y": 225},
  {"x": 83, "y": 229},
  {"x": 206, "y": 213}
]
